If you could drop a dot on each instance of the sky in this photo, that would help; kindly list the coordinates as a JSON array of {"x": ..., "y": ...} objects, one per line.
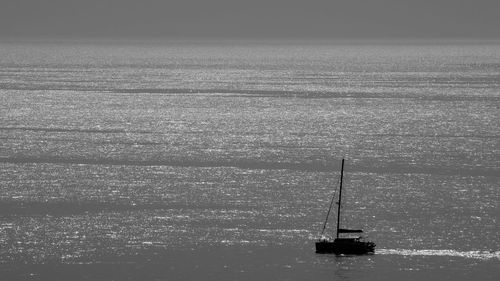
[{"x": 251, "y": 18}]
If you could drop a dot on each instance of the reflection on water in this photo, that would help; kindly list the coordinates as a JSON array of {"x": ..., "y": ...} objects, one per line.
[{"x": 153, "y": 161}]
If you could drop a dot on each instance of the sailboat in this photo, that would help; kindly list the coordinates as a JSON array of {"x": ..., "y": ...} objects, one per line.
[{"x": 343, "y": 245}]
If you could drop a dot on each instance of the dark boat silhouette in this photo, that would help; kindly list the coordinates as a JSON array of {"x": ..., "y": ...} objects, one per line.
[{"x": 343, "y": 245}]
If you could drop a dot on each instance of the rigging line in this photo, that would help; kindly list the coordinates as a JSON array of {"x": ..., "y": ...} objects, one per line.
[{"x": 330, "y": 208}]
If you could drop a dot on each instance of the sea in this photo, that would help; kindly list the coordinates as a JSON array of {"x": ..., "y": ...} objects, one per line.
[{"x": 217, "y": 159}]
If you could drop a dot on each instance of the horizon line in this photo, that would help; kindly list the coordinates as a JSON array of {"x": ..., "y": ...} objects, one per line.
[{"x": 243, "y": 39}]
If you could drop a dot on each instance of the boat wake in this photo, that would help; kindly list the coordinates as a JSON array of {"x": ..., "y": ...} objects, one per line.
[{"x": 483, "y": 255}]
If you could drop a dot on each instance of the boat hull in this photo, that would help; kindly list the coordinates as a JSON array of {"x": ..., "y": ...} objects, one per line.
[{"x": 352, "y": 247}]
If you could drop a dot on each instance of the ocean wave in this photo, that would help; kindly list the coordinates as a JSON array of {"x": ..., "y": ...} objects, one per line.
[
  {"x": 251, "y": 164},
  {"x": 243, "y": 164},
  {"x": 300, "y": 94},
  {"x": 76, "y": 130},
  {"x": 27, "y": 207},
  {"x": 257, "y": 93},
  {"x": 434, "y": 136}
]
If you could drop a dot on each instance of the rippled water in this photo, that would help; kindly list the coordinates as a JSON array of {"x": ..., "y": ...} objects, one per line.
[{"x": 176, "y": 161}]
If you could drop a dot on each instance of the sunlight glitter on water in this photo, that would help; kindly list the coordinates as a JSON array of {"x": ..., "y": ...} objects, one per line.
[{"x": 161, "y": 151}]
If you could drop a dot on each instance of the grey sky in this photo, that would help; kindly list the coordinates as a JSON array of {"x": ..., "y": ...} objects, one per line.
[{"x": 251, "y": 18}]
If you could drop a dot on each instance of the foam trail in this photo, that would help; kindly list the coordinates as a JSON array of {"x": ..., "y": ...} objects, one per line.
[{"x": 483, "y": 255}]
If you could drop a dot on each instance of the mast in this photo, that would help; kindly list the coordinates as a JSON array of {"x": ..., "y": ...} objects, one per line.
[{"x": 340, "y": 197}]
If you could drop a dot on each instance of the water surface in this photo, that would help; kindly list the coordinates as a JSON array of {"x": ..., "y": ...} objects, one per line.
[{"x": 175, "y": 161}]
